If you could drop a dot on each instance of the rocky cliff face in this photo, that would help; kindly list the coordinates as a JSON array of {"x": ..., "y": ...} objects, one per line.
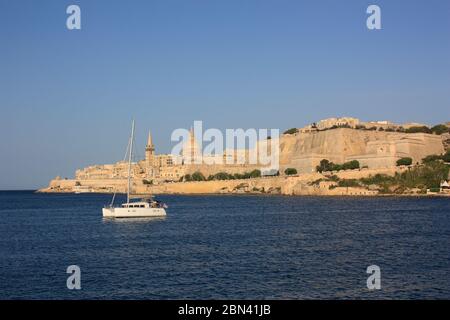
[
  {"x": 375, "y": 149},
  {"x": 446, "y": 141}
]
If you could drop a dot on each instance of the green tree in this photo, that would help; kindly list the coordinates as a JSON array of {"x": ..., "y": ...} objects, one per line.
[
  {"x": 433, "y": 173},
  {"x": 351, "y": 165},
  {"x": 255, "y": 173},
  {"x": 431, "y": 158},
  {"x": 246, "y": 175},
  {"x": 290, "y": 171},
  {"x": 335, "y": 167},
  {"x": 222, "y": 176},
  {"x": 325, "y": 165},
  {"x": 440, "y": 129},
  {"x": 238, "y": 176},
  {"x": 446, "y": 156},
  {"x": 377, "y": 179},
  {"x": 291, "y": 131},
  {"x": 404, "y": 161},
  {"x": 198, "y": 176},
  {"x": 348, "y": 183},
  {"x": 418, "y": 129}
]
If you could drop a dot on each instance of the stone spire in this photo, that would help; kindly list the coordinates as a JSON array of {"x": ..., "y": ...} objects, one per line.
[
  {"x": 150, "y": 141},
  {"x": 190, "y": 151},
  {"x": 149, "y": 150}
]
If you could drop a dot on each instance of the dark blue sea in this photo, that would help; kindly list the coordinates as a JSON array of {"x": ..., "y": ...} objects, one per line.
[{"x": 225, "y": 247}]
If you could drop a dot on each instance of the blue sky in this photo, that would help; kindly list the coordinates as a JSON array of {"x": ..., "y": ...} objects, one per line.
[{"x": 67, "y": 97}]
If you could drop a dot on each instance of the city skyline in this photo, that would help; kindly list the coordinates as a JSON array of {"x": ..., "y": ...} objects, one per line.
[{"x": 69, "y": 95}]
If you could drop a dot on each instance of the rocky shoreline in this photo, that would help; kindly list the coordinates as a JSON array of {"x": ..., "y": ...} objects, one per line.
[
  {"x": 313, "y": 184},
  {"x": 416, "y": 195}
]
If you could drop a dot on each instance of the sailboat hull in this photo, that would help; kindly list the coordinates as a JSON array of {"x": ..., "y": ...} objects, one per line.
[{"x": 133, "y": 212}]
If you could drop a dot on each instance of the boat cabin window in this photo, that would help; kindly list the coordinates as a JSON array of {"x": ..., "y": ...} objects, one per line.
[{"x": 133, "y": 205}]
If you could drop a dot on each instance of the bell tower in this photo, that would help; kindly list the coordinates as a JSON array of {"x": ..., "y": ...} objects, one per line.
[
  {"x": 190, "y": 150},
  {"x": 149, "y": 151}
]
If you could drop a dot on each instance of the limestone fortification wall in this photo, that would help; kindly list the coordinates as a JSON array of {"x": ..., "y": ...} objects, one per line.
[
  {"x": 378, "y": 150},
  {"x": 375, "y": 149},
  {"x": 286, "y": 185},
  {"x": 280, "y": 185},
  {"x": 97, "y": 185},
  {"x": 212, "y": 169},
  {"x": 304, "y": 151},
  {"x": 362, "y": 173}
]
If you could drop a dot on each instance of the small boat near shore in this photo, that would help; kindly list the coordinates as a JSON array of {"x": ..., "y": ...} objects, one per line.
[
  {"x": 138, "y": 209},
  {"x": 144, "y": 207}
]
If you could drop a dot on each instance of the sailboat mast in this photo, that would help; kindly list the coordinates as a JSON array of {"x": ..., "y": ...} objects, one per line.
[{"x": 129, "y": 162}]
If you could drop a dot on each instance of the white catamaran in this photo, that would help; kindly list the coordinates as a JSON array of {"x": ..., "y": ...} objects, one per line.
[{"x": 146, "y": 207}]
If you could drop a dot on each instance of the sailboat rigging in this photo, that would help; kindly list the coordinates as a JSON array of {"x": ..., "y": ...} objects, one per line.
[{"x": 146, "y": 207}]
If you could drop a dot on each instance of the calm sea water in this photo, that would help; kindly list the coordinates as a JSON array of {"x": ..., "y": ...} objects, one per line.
[{"x": 220, "y": 247}]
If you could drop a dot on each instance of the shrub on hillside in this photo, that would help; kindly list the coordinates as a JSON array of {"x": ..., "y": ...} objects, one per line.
[
  {"x": 187, "y": 178},
  {"x": 198, "y": 176},
  {"x": 255, "y": 173},
  {"x": 326, "y": 165},
  {"x": 440, "y": 129},
  {"x": 431, "y": 158},
  {"x": 290, "y": 171},
  {"x": 427, "y": 176},
  {"x": 223, "y": 176},
  {"x": 351, "y": 165},
  {"x": 446, "y": 157},
  {"x": 422, "y": 129},
  {"x": 404, "y": 161},
  {"x": 291, "y": 131},
  {"x": 377, "y": 179},
  {"x": 348, "y": 183}
]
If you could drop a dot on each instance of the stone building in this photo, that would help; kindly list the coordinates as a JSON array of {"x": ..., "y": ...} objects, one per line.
[
  {"x": 373, "y": 149},
  {"x": 337, "y": 122},
  {"x": 157, "y": 168},
  {"x": 154, "y": 168}
]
